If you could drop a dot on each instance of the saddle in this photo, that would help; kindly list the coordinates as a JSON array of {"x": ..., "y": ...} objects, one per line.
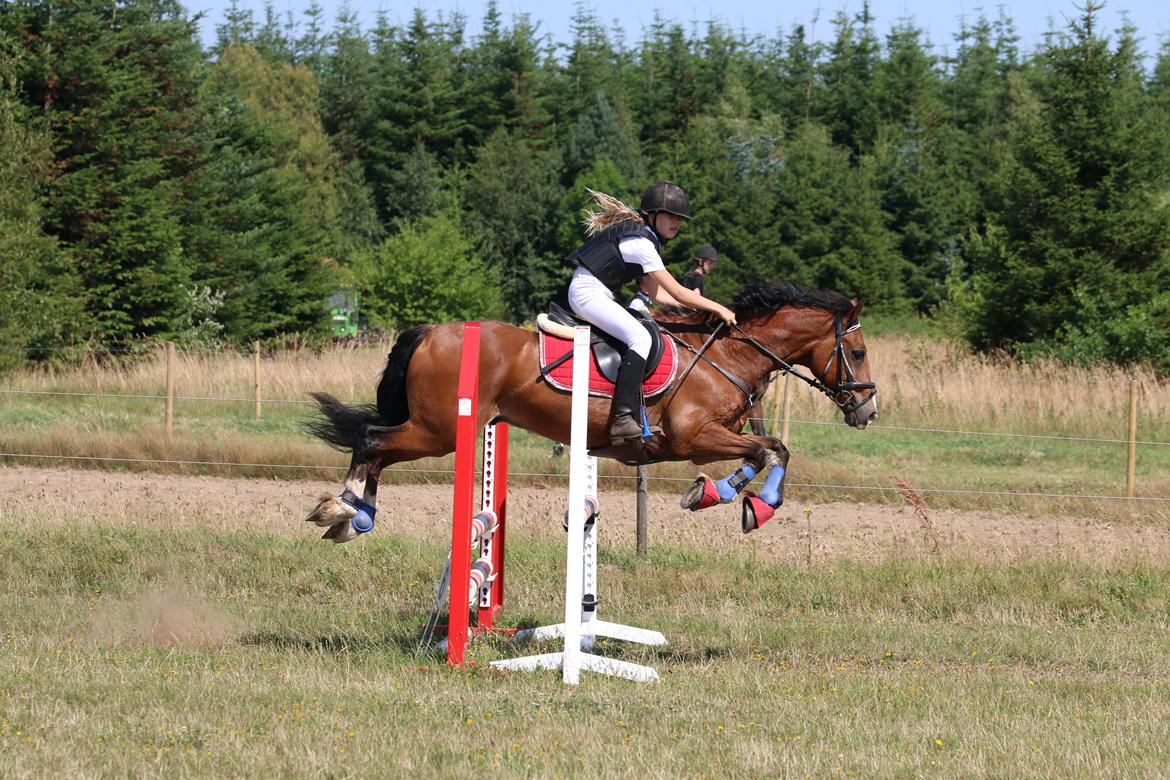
[{"x": 607, "y": 351}]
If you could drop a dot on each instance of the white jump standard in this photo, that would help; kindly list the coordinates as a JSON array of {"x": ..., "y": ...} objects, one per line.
[{"x": 581, "y": 624}]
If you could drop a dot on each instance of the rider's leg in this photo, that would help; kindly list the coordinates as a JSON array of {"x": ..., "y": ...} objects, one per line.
[
  {"x": 626, "y": 422},
  {"x": 602, "y": 311}
]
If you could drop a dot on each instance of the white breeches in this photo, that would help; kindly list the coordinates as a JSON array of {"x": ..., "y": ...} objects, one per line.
[{"x": 593, "y": 302}]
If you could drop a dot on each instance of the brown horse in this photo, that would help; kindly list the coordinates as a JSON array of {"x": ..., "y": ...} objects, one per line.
[{"x": 702, "y": 414}]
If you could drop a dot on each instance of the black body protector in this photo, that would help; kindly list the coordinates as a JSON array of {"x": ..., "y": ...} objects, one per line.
[{"x": 602, "y": 257}]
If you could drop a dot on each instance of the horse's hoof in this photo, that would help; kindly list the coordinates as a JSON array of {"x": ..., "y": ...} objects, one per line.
[
  {"x": 329, "y": 512},
  {"x": 755, "y": 513},
  {"x": 340, "y": 533},
  {"x": 701, "y": 494}
]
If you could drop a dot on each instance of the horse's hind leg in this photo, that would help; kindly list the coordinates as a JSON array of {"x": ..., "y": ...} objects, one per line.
[
  {"x": 351, "y": 514},
  {"x": 336, "y": 513}
]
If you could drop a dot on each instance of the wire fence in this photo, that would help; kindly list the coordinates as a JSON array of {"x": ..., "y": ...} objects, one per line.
[
  {"x": 170, "y": 397},
  {"x": 875, "y": 427},
  {"x": 450, "y": 473}
]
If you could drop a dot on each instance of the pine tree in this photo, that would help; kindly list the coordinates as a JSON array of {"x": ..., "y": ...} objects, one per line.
[
  {"x": 1081, "y": 239},
  {"x": 797, "y": 91},
  {"x": 927, "y": 194},
  {"x": 600, "y": 134},
  {"x": 666, "y": 103},
  {"x": 40, "y": 302},
  {"x": 589, "y": 66},
  {"x": 270, "y": 177},
  {"x": 312, "y": 46},
  {"x": 849, "y": 106},
  {"x": 511, "y": 195},
  {"x": 347, "y": 87},
  {"x": 416, "y": 102},
  {"x": 506, "y": 84},
  {"x": 117, "y": 85}
]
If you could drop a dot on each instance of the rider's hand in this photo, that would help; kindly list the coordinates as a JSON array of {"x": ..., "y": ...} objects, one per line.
[{"x": 726, "y": 314}]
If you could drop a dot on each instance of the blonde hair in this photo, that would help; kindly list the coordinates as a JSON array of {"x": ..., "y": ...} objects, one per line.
[{"x": 612, "y": 212}]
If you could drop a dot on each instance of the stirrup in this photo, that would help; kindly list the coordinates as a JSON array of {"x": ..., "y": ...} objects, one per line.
[{"x": 628, "y": 431}]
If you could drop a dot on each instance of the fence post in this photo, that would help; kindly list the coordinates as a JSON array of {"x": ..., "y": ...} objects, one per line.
[
  {"x": 1131, "y": 461},
  {"x": 170, "y": 413},
  {"x": 643, "y": 501},
  {"x": 256, "y": 371},
  {"x": 787, "y": 404}
]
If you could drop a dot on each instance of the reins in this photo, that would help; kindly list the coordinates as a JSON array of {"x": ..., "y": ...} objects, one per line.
[
  {"x": 845, "y": 381},
  {"x": 739, "y": 383},
  {"x": 841, "y": 395}
]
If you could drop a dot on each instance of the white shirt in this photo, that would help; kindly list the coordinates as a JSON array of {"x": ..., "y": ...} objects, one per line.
[{"x": 637, "y": 250}]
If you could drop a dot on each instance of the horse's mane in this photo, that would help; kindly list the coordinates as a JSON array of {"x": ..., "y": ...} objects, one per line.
[{"x": 761, "y": 298}]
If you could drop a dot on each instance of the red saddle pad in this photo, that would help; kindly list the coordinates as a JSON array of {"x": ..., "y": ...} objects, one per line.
[{"x": 561, "y": 377}]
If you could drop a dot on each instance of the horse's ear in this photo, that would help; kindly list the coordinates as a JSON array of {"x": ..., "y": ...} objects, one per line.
[{"x": 855, "y": 312}]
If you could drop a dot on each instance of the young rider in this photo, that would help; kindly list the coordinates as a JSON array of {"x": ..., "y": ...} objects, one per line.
[
  {"x": 705, "y": 257},
  {"x": 626, "y": 245}
]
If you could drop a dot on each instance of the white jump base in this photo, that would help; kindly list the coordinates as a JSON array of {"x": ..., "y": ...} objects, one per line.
[{"x": 581, "y": 625}]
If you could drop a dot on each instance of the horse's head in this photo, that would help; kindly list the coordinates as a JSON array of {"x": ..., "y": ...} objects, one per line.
[
  {"x": 840, "y": 362},
  {"x": 821, "y": 330}
]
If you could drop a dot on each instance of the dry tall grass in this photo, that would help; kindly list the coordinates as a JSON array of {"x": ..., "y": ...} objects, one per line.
[
  {"x": 350, "y": 373},
  {"x": 935, "y": 384},
  {"x": 922, "y": 383}
]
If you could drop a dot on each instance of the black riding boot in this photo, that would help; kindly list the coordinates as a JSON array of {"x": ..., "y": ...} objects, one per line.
[{"x": 626, "y": 424}]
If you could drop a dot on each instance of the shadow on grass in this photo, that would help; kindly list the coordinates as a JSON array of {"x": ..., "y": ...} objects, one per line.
[
  {"x": 336, "y": 643},
  {"x": 400, "y": 636}
]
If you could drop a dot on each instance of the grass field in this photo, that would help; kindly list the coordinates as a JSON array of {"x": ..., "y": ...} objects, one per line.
[
  {"x": 159, "y": 636},
  {"x": 210, "y": 653}
]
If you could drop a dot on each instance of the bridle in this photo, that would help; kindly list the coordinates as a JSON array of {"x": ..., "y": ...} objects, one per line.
[{"x": 846, "y": 382}]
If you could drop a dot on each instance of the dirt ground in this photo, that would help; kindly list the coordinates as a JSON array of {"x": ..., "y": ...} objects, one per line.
[{"x": 838, "y": 530}]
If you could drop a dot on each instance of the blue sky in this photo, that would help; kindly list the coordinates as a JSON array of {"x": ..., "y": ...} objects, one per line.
[{"x": 939, "y": 19}]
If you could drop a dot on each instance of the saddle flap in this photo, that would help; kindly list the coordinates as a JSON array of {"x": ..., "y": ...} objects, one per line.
[
  {"x": 556, "y": 368},
  {"x": 607, "y": 351}
]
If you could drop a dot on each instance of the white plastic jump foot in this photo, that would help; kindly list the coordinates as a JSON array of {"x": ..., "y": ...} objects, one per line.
[
  {"x": 585, "y": 662},
  {"x": 595, "y": 628}
]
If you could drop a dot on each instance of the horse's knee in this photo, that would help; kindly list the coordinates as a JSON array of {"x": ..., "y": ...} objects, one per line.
[{"x": 776, "y": 454}]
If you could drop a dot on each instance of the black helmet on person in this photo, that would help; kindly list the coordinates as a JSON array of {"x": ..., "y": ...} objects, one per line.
[
  {"x": 666, "y": 196},
  {"x": 707, "y": 252}
]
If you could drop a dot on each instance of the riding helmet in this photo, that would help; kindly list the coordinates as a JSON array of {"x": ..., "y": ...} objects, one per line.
[
  {"x": 707, "y": 252},
  {"x": 669, "y": 197}
]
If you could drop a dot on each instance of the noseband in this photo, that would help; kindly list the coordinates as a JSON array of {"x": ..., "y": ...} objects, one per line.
[{"x": 842, "y": 394}]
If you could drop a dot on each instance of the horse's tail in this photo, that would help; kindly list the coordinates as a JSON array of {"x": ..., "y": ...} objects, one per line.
[
  {"x": 392, "y": 402},
  {"x": 340, "y": 425},
  {"x": 344, "y": 426}
]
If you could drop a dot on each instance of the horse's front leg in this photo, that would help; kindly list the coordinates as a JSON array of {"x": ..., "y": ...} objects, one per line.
[{"x": 760, "y": 453}]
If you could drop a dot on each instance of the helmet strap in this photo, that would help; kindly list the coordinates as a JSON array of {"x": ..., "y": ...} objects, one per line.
[{"x": 652, "y": 221}]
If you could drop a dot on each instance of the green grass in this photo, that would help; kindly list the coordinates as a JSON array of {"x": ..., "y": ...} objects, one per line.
[{"x": 199, "y": 653}]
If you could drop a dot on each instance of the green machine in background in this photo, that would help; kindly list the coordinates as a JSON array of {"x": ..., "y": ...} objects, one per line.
[{"x": 343, "y": 313}]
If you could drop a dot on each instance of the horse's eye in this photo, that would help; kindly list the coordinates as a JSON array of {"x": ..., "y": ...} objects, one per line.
[{"x": 858, "y": 355}]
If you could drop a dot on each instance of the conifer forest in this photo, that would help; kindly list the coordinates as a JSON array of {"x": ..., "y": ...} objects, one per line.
[{"x": 152, "y": 187}]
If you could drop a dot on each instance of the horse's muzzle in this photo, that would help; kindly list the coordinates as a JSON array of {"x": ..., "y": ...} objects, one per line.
[{"x": 861, "y": 415}]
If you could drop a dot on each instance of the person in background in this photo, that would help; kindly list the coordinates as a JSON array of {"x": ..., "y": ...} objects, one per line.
[{"x": 705, "y": 257}]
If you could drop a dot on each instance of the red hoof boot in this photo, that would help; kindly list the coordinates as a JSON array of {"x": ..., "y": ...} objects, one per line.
[
  {"x": 700, "y": 495},
  {"x": 755, "y": 513}
]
